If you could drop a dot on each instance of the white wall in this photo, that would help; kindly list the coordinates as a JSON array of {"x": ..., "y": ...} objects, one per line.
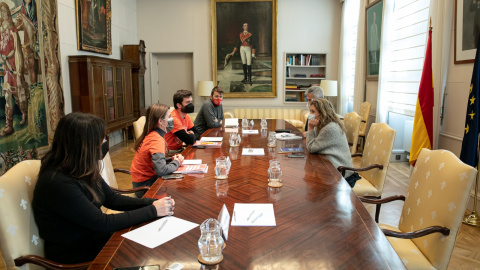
[
  {"x": 170, "y": 26},
  {"x": 124, "y": 31}
]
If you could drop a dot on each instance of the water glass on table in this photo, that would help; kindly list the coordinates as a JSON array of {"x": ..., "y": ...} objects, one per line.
[
  {"x": 272, "y": 139},
  {"x": 263, "y": 123}
]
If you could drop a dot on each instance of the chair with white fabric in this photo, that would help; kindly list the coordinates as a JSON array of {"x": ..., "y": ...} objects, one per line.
[
  {"x": 352, "y": 125},
  {"x": 434, "y": 206},
  {"x": 20, "y": 243},
  {"x": 374, "y": 164}
]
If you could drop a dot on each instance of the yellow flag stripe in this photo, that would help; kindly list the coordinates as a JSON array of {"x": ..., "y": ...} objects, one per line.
[{"x": 419, "y": 136}]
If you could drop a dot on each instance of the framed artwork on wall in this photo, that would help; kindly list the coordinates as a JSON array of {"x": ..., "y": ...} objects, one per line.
[
  {"x": 244, "y": 47},
  {"x": 373, "y": 27},
  {"x": 467, "y": 29},
  {"x": 94, "y": 22}
]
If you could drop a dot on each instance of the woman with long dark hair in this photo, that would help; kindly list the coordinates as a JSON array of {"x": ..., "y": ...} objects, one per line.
[
  {"x": 70, "y": 191},
  {"x": 149, "y": 161}
]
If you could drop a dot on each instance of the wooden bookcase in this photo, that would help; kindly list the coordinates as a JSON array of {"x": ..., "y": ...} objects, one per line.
[
  {"x": 305, "y": 65},
  {"x": 103, "y": 87}
]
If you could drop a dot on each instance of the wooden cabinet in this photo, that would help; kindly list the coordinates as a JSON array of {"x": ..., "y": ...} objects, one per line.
[
  {"x": 136, "y": 55},
  {"x": 103, "y": 87}
]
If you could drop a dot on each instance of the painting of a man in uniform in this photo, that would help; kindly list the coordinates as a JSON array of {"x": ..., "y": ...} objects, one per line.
[
  {"x": 23, "y": 123},
  {"x": 244, "y": 49}
]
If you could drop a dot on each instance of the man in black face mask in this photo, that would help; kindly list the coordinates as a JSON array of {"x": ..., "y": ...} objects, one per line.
[{"x": 183, "y": 130}]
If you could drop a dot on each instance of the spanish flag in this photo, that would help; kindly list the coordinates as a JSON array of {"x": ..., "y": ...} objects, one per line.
[{"x": 422, "y": 136}]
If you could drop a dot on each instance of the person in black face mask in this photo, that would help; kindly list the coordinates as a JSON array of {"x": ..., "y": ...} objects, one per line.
[{"x": 183, "y": 130}]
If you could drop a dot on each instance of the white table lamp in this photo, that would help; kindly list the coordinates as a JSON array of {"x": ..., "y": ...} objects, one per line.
[
  {"x": 204, "y": 88},
  {"x": 329, "y": 88}
]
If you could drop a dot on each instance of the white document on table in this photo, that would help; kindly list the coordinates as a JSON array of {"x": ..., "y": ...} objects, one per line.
[
  {"x": 224, "y": 220},
  {"x": 253, "y": 152},
  {"x": 192, "y": 161},
  {"x": 154, "y": 234},
  {"x": 250, "y": 131},
  {"x": 253, "y": 214},
  {"x": 231, "y": 122},
  {"x": 211, "y": 139},
  {"x": 231, "y": 130}
]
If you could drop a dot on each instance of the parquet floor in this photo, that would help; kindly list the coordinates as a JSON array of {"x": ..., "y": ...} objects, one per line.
[{"x": 466, "y": 254}]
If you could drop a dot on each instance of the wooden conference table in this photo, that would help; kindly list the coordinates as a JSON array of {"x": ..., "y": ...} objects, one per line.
[{"x": 321, "y": 224}]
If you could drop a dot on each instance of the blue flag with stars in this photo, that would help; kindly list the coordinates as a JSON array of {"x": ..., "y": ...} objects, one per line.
[{"x": 469, "y": 154}]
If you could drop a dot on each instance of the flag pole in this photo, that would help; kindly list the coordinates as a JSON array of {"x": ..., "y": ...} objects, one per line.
[{"x": 473, "y": 219}]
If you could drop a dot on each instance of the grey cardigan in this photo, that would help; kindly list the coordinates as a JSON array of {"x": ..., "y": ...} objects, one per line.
[{"x": 332, "y": 142}]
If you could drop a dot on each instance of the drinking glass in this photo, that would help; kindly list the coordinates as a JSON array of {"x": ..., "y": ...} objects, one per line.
[
  {"x": 272, "y": 140},
  {"x": 274, "y": 162},
  {"x": 234, "y": 139},
  {"x": 275, "y": 174},
  {"x": 221, "y": 187},
  {"x": 221, "y": 168},
  {"x": 263, "y": 123},
  {"x": 244, "y": 123}
]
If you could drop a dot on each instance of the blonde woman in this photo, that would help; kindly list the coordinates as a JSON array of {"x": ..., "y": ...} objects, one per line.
[{"x": 326, "y": 136}]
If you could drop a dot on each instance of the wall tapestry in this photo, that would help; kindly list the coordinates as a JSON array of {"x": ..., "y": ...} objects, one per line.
[{"x": 31, "y": 97}]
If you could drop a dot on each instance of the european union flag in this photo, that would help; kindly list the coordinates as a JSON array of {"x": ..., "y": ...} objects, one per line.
[{"x": 469, "y": 153}]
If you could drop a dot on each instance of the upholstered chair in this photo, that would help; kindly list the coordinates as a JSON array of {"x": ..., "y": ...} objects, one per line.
[
  {"x": 20, "y": 242},
  {"x": 434, "y": 206},
  {"x": 374, "y": 164},
  {"x": 352, "y": 124},
  {"x": 364, "y": 112},
  {"x": 138, "y": 126}
]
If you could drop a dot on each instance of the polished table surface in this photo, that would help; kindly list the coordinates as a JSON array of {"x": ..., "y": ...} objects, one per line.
[{"x": 321, "y": 224}]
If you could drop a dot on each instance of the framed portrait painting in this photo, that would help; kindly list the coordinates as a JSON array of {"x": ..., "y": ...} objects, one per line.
[
  {"x": 94, "y": 19},
  {"x": 467, "y": 29},
  {"x": 373, "y": 27},
  {"x": 244, "y": 47}
]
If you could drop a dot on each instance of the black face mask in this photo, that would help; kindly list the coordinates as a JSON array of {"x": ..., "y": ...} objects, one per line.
[
  {"x": 188, "y": 109},
  {"x": 104, "y": 149}
]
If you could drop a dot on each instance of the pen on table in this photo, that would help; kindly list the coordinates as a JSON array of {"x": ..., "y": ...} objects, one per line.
[
  {"x": 234, "y": 216},
  {"x": 163, "y": 224},
  {"x": 261, "y": 214},
  {"x": 251, "y": 215}
]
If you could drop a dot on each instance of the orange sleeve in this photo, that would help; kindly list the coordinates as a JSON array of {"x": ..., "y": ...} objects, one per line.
[
  {"x": 189, "y": 122},
  {"x": 156, "y": 145}
]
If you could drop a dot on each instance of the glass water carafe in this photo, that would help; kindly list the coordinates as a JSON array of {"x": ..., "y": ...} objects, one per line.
[{"x": 211, "y": 242}]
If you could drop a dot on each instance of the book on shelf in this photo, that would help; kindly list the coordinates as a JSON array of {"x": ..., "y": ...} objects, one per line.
[
  {"x": 208, "y": 144},
  {"x": 317, "y": 75},
  {"x": 199, "y": 168},
  {"x": 300, "y": 75},
  {"x": 291, "y": 150}
]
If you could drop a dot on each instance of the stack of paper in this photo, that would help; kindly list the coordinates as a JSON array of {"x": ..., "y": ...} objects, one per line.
[
  {"x": 287, "y": 136},
  {"x": 201, "y": 168},
  {"x": 211, "y": 139},
  {"x": 160, "y": 231},
  {"x": 208, "y": 144},
  {"x": 231, "y": 122},
  {"x": 253, "y": 214}
]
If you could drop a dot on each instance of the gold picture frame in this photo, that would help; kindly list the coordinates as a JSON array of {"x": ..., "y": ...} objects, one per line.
[
  {"x": 94, "y": 25},
  {"x": 254, "y": 75},
  {"x": 373, "y": 30}
]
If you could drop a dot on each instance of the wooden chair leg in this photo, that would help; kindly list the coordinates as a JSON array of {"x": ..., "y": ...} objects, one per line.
[{"x": 377, "y": 209}]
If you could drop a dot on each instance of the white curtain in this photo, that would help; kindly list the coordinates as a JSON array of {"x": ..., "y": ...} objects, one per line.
[
  {"x": 359, "y": 90},
  {"x": 441, "y": 12},
  {"x": 347, "y": 57},
  {"x": 387, "y": 26}
]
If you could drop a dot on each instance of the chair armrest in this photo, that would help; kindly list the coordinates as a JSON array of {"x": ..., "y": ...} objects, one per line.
[
  {"x": 357, "y": 155},
  {"x": 382, "y": 201},
  {"x": 37, "y": 260},
  {"x": 342, "y": 169},
  {"x": 122, "y": 171},
  {"x": 131, "y": 190},
  {"x": 419, "y": 233}
]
